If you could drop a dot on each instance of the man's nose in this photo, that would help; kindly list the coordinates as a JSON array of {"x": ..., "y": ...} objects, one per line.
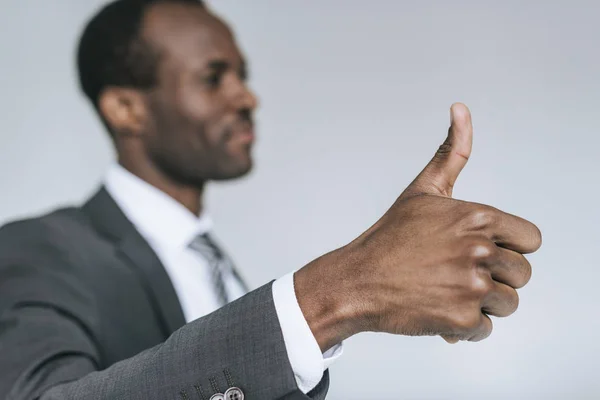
[
  {"x": 247, "y": 99},
  {"x": 240, "y": 95}
]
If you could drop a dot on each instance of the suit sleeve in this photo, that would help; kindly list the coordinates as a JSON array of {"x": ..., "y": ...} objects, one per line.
[{"x": 49, "y": 350}]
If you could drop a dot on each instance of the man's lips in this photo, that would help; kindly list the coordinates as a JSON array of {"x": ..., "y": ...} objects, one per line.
[{"x": 244, "y": 134}]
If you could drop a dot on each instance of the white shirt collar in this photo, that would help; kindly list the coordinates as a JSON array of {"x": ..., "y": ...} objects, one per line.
[{"x": 159, "y": 218}]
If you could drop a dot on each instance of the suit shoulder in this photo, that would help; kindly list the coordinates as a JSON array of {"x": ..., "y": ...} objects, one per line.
[
  {"x": 52, "y": 230},
  {"x": 41, "y": 263}
]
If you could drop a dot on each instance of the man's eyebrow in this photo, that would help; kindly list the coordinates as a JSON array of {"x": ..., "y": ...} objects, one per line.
[
  {"x": 218, "y": 65},
  {"x": 223, "y": 65}
]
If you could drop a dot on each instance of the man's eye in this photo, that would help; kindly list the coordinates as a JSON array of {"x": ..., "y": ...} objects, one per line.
[{"x": 213, "y": 80}]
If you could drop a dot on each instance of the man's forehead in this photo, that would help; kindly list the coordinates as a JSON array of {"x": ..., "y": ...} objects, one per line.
[{"x": 189, "y": 31}]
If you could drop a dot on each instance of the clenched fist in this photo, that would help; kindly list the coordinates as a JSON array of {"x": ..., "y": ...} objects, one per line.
[{"x": 431, "y": 265}]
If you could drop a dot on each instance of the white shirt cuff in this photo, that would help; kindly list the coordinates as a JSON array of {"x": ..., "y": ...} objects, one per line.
[{"x": 306, "y": 359}]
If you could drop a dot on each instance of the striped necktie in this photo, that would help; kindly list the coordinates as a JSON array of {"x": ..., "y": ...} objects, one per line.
[{"x": 218, "y": 263}]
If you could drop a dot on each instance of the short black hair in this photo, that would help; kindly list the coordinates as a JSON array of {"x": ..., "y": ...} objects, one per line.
[{"x": 111, "y": 51}]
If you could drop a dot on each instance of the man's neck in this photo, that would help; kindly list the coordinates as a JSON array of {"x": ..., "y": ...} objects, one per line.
[{"x": 188, "y": 196}]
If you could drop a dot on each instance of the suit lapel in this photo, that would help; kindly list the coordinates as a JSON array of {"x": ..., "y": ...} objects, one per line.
[
  {"x": 165, "y": 300},
  {"x": 107, "y": 218}
]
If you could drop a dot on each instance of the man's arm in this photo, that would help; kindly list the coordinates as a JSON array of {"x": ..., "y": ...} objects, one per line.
[
  {"x": 432, "y": 265},
  {"x": 48, "y": 348},
  {"x": 241, "y": 343}
]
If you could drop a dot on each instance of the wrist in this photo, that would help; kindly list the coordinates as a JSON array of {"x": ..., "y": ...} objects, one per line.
[{"x": 324, "y": 300}]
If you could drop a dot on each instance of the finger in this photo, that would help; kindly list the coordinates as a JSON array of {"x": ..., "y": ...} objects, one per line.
[
  {"x": 506, "y": 230},
  {"x": 518, "y": 234},
  {"x": 467, "y": 324},
  {"x": 439, "y": 176},
  {"x": 450, "y": 339},
  {"x": 509, "y": 267},
  {"x": 484, "y": 330},
  {"x": 502, "y": 301}
]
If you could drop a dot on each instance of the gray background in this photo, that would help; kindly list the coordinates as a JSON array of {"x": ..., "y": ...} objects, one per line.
[{"x": 355, "y": 99}]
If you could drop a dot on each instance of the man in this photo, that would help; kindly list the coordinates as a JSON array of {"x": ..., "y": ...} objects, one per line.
[{"x": 103, "y": 301}]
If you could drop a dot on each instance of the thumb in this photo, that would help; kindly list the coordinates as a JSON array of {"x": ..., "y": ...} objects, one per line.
[{"x": 440, "y": 174}]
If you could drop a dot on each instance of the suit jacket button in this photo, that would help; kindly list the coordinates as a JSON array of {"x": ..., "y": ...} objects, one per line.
[
  {"x": 217, "y": 396},
  {"x": 234, "y": 394}
]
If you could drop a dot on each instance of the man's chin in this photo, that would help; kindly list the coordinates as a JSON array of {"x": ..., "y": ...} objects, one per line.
[{"x": 235, "y": 170}]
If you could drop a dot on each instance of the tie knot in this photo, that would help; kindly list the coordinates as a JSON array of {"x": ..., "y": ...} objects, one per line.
[{"x": 206, "y": 246}]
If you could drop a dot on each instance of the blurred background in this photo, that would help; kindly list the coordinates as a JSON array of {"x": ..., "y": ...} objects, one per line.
[{"x": 354, "y": 102}]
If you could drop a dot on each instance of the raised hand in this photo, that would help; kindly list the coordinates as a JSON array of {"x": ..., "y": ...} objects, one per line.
[{"x": 432, "y": 265}]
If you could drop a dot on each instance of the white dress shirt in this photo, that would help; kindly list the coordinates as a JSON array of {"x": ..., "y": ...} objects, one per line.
[{"x": 169, "y": 228}]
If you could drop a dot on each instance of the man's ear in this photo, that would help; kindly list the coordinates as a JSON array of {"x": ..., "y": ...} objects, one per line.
[{"x": 124, "y": 110}]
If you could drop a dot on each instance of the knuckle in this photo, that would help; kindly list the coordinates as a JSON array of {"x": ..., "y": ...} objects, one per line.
[
  {"x": 482, "y": 217},
  {"x": 445, "y": 148},
  {"x": 513, "y": 302},
  {"x": 481, "y": 250},
  {"x": 519, "y": 272},
  {"x": 525, "y": 272},
  {"x": 466, "y": 321},
  {"x": 480, "y": 286},
  {"x": 537, "y": 238},
  {"x": 505, "y": 304},
  {"x": 485, "y": 329}
]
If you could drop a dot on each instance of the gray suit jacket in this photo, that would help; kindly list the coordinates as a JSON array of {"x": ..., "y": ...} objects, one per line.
[{"x": 87, "y": 311}]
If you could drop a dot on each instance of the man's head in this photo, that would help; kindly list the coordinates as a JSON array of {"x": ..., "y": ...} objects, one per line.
[{"x": 168, "y": 81}]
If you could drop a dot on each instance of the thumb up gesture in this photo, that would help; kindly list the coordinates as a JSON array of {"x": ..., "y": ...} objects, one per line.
[{"x": 431, "y": 265}]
